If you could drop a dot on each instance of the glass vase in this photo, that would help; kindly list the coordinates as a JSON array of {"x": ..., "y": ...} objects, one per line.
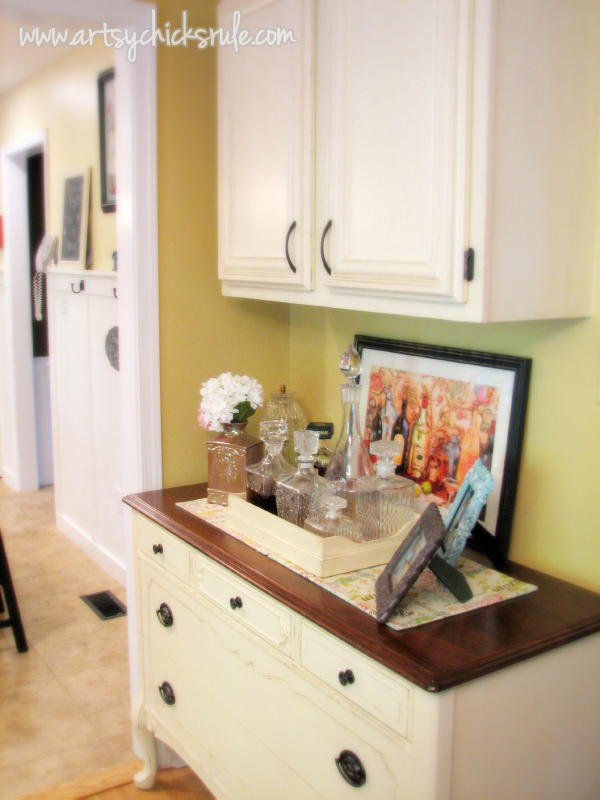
[{"x": 229, "y": 454}]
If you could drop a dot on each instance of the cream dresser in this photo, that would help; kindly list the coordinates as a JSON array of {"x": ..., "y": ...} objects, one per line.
[{"x": 272, "y": 688}]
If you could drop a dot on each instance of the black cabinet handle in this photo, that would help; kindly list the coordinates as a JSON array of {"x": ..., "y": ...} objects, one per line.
[
  {"x": 157, "y": 548},
  {"x": 165, "y": 615},
  {"x": 351, "y": 768},
  {"x": 287, "y": 247},
  {"x": 346, "y": 676},
  {"x": 235, "y": 602},
  {"x": 167, "y": 693},
  {"x": 323, "y": 235}
]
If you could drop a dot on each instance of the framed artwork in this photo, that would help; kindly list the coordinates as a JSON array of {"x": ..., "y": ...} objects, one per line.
[
  {"x": 106, "y": 116},
  {"x": 74, "y": 241},
  {"x": 408, "y": 562},
  {"x": 449, "y": 407}
]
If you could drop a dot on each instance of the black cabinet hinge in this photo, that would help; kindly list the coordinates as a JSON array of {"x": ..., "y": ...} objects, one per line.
[{"x": 469, "y": 264}]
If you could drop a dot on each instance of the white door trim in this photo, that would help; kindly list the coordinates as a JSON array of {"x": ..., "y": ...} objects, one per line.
[
  {"x": 20, "y": 465},
  {"x": 136, "y": 245}
]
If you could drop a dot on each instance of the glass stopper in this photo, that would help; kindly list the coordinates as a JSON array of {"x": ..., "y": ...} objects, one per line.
[{"x": 350, "y": 364}]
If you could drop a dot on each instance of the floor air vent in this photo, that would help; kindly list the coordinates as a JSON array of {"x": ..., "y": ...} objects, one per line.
[{"x": 105, "y": 605}]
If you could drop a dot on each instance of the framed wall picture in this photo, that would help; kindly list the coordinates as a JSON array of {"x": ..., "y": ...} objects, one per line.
[
  {"x": 106, "y": 117},
  {"x": 74, "y": 240},
  {"x": 449, "y": 407}
]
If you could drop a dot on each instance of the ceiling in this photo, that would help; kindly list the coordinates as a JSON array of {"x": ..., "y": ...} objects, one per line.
[{"x": 17, "y": 62}]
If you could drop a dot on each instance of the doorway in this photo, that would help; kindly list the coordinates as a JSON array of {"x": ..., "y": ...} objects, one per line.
[{"x": 39, "y": 326}]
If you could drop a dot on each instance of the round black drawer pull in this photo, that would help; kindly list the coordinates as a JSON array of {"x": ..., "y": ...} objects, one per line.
[
  {"x": 165, "y": 615},
  {"x": 167, "y": 693},
  {"x": 157, "y": 548},
  {"x": 346, "y": 676},
  {"x": 235, "y": 602},
  {"x": 351, "y": 768}
]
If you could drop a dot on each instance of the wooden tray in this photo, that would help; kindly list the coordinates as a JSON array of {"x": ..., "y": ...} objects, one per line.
[{"x": 321, "y": 556}]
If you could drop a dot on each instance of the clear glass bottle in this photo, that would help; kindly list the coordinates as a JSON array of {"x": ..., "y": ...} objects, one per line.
[
  {"x": 384, "y": 500},
  {"x": 328, "y": 520},
  {"x": 283, "y": 405},
  {"x": 262, "y": 476},
  {"x": 293, "y": 495},
  {"x": 351, "y": 459}
]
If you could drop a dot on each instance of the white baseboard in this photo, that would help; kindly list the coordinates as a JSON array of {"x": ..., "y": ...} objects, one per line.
[{"x": 82, "y": 539}]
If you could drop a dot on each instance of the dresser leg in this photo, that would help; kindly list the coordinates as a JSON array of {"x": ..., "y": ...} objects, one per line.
[{"x": 144, "y": 779}]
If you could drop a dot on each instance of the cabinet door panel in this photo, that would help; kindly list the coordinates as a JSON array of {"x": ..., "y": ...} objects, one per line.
[
  {"x": 72, "y": 397},
  {"x": 392, "y": 151},
  {"x": 265, "y": 125},
  {"x": 105, "y": 422}
]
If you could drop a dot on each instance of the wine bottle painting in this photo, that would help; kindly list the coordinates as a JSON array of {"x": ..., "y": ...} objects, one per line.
[{"x": 443, "y": 424}]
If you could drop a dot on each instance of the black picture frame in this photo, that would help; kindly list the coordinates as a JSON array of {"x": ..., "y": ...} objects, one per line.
[
  {"x": 106, "y": 120},
  {"x": 408, "y": 562},
  {"x": 508, "y": 376}
]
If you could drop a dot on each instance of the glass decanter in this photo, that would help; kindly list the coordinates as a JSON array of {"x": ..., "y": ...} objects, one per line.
[
  {"x": 293, "y": 495},
  {"x": 284, "y": 406},
  {"x": 328, "y": 519},
  {"x": 350, "y": 460},
  {"x": 385, "y": 500},
  {"x": 262, "y": 476}
]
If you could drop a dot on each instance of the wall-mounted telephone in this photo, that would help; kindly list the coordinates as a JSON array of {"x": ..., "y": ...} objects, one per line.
[{"x": 47, "y": 251}]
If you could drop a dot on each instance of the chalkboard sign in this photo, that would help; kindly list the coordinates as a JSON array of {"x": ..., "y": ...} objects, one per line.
[{"x": 75, "y": 219}]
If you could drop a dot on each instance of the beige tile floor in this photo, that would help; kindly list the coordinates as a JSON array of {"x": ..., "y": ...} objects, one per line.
[{"x": 64, "y": 705}]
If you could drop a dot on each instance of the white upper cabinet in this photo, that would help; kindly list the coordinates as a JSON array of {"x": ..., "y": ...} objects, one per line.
[
  {"x": 392, "y": 143},
  {"x": 265, "y": 146},
  {"x": 455, "y": 157}
]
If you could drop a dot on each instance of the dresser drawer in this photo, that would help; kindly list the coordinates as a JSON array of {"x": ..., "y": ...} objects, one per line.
[
  {"x": 162, "y": 548},
  {"x": 356, "y": 677},
  {"x": 282, "y": 736},
  {"x": 244, "y": 603}
]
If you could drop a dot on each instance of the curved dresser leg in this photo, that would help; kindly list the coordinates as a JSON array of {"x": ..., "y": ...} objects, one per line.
[{"x": 144, "y": 779}]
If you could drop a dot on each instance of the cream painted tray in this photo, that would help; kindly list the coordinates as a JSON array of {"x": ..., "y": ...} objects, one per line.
[{"x": 320, "y": 556}]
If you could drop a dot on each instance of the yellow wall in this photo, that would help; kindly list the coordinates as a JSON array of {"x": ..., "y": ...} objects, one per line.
[
  {"x": 556, "y": 522},
  {"x": 63, "y": 101},
  {"x": 202, "y": 333}
]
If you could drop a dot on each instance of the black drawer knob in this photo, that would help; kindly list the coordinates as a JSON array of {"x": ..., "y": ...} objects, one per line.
[
  {"x": 351, "y": 768},
  {"x": 157, "y": 548},
  {"x": 235, "y": 602},
  {"x": 346, "y": 676},
  {"x": 165, "y": 615},
  {"x": 167, "y": 693}
]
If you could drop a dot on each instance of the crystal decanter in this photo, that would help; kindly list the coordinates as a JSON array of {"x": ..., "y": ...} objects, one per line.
[
  {"x": 350, "y": 460},
  {"x": 294, "y": 494},
  {"x": 329, "y": 519},
  {"x": 384, "y": 500},
  {"x": 262, "y": 476}
]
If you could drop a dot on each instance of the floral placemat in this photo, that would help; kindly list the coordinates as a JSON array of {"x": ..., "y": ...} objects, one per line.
[{"x": 426, "y": 601}]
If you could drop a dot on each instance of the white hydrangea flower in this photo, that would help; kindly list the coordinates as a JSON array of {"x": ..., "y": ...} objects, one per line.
[{"x": 228, "y": 398}]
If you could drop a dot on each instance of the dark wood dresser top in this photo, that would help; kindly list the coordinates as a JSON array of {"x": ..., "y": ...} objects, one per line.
[{"x": 434, "y": 656}]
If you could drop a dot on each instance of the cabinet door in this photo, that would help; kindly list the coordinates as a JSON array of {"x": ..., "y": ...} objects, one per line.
[
  {"x": 393, "y": 123},
  {"x": 265, "y": 144}
]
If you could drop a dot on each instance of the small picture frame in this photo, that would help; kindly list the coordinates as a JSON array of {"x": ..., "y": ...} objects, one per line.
[
  {"x": 408, "y": 562},
  {"x": 74, "y": 240},
  {"x": 106, "y": 118},
  {"x": 465, "y": 510}
]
